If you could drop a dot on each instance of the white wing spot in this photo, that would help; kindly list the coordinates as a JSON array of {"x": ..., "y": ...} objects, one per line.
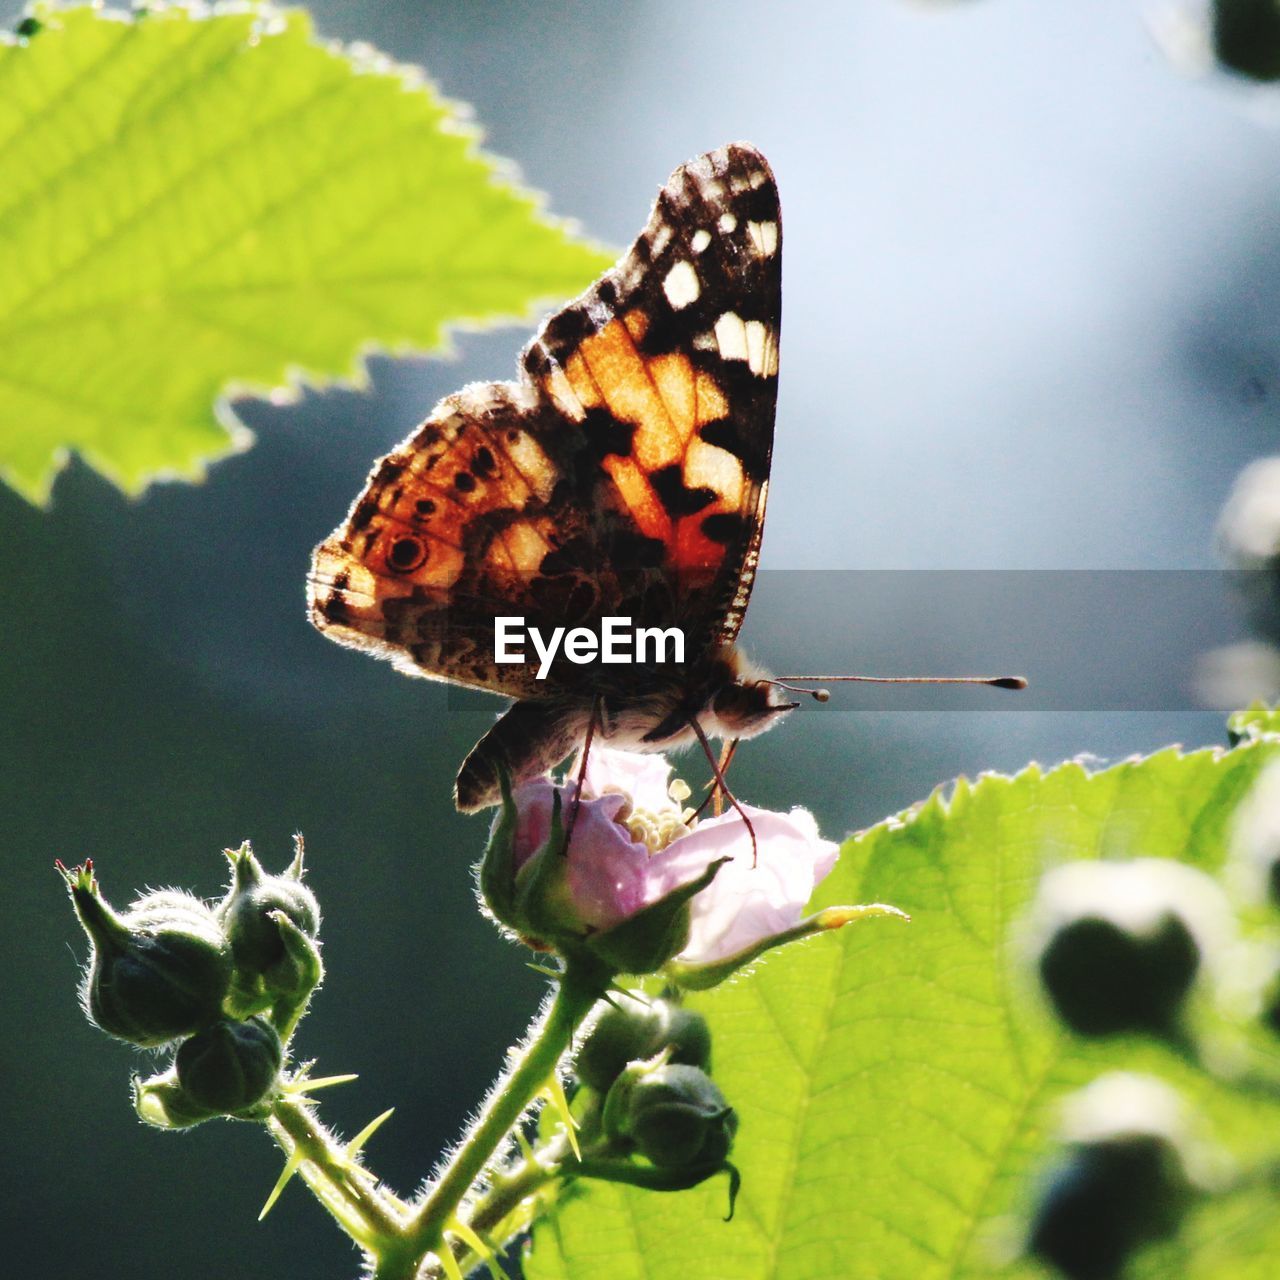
[
  {"x": 731, "y": 336},
  {"x": 700, "y": 240},
  {"x": 631, "y": 273},
  {"x": 728, "y": 223},
  {"x": 757, "y": 179},
  {"x": 764, "y": 236},
  {"x": 563, "y": 395},
  {"x": 661, "y": 238},
  {"x": 681, "y": 285}
]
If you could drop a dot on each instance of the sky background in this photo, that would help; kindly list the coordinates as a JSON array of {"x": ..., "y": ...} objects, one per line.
[{"x": 1031, "y": 319}]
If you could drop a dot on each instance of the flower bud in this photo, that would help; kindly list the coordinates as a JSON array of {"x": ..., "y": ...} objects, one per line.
[
  {"x": 1120, "y": 945},
  {"x": 247, "y": 914},
  {"x": 673, "y": 1114},
  {"x": 230, "y": 1066},
  {"x": 1246, "y": 37},
  {"x": 640, "y": 1027},
  {"x": 1123, "y": 1178},
  {"x": 162, "y": 1102},
  {"x": 159, "y": 971},
  {"x": 1104, "y": 1200},
  {"x": 1104, "y": 980},
  {"x": 590, "y": 897}
]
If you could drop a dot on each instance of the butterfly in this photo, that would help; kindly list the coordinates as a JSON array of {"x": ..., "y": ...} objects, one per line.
[{"x": 623, "y": 475}]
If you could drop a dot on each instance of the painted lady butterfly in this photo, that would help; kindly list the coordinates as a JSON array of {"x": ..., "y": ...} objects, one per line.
[{"x": 624, "y": 474}]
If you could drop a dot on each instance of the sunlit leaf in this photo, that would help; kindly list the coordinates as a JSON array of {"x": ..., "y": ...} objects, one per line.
[
  {"x": 899, "y": 1087},
  {"x": 194, "y": 202}
]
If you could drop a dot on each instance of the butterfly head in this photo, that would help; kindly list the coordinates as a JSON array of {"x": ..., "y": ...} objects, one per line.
[{"x": 745, "y": 702}]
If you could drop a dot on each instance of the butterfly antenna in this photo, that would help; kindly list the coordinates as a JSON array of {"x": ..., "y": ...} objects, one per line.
[
  {"x": 724, "y": 788},
  {"x": 818, "y": 695},
  {"x": 823, "y": 695}
]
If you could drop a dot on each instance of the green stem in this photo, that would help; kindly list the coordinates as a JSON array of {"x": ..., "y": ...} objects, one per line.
[
  {"x": 517, "y": 1185},
  {"x": 507, "y": 1102},
  {"x": 509, "y": 1206},
  {"x": 349, "y": 1191},
  {"x": 494, "y": 1211}
]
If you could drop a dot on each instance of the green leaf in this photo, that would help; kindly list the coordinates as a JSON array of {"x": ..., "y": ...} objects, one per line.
[
  {"x": 195, "y": 203},
  {"x": 898, "y": 1087}
]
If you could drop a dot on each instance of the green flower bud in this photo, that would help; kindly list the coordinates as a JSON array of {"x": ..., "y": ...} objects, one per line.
[
  {"x": 1104, "y": 1200},
  {"x": 640, "y": 1027},
  {"x": 159, "y": 971},
  {"x": 170, "y": 908},
  {"x": 1104, "y": 979},
  {"x": 1120, "y": 947},
  {"x": 673, "y": 1114},
  {"x": 230, "y": 1066},
  {"x": 162, "y": 1102},
  {"x": 1125, "y": 1174},
  {"x": 247, "y": 914}
]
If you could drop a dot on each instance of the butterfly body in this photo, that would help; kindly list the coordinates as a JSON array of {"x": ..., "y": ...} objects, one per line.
[{"x": 623, "y": 475}]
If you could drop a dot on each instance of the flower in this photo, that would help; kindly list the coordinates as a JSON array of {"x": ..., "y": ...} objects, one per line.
[{"x": 634, "y": 846}]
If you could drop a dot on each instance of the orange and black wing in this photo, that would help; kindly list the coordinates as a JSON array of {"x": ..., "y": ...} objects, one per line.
[
  {"x": 625, "y": 473},
  {"x": 668, "y": 368}
]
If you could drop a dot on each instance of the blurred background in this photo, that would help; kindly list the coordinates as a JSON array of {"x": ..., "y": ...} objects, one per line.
[{"x": 1032, "y": 283}]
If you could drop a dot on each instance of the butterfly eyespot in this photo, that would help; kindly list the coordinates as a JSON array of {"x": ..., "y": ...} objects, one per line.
[
  {"x": 425, "y": 507},
  {"x": 406, "y": 555},
  {"x": 464, "y": 482}
]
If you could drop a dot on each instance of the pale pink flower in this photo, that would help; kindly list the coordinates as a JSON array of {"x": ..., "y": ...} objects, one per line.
[{"x": 630, "y": 848}]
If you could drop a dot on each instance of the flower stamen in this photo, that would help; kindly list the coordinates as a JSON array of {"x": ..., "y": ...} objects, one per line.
[{"x": 657, "y": 828}]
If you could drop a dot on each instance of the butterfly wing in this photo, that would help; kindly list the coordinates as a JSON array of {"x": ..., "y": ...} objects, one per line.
[
  {"x": 625, "y": 474},
  {"x": 668, "y": 366}
]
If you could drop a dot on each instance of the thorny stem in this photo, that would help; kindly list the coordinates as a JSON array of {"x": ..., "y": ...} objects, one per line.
[
  {"x": 398, "y": 1238},
  {"x": 513, "y": 1187},
  {"x": 368, "y": 1214},
  {"x": 507, "y": 1102}
]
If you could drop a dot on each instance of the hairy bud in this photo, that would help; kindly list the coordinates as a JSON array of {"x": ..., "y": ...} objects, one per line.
[
  {"x": 230, "y": 1066},
  {"x": 159, "y": 971},
  {"x": 640, "y": 1027},
  {"x": 673, "y": 1114},
  {"x": 249, "y": 916}
]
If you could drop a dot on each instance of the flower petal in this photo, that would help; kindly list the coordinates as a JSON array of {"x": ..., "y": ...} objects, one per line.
[
  {"x": 607, "y": 868},
  {"x": 744, "y": 904},
  {"x": 643, "y": 777}
]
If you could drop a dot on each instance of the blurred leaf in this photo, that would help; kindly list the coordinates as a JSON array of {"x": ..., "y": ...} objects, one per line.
[
  {"x": 898, "y": 1087},
  {"x": 194, "y": 202}
]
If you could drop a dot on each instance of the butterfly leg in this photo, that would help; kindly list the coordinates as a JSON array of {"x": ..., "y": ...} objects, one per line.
[
  {"x": 724, "y": 786},
  {"x": 592, "y": 724},
  {"x": 715, "y": 796},
  {"x": 727, "y": 752}
]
